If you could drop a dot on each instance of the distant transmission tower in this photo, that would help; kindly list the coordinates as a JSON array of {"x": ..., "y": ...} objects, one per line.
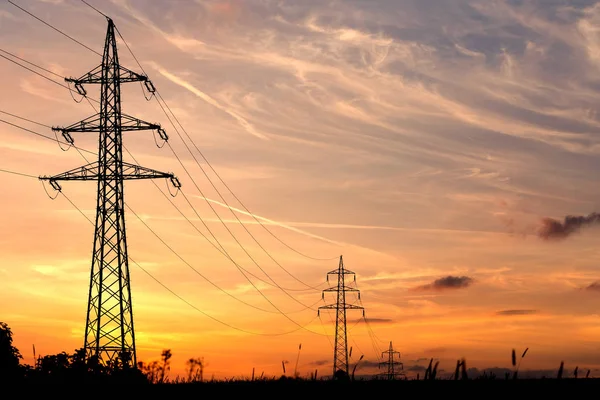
[
  {"x": 109, "y": 333},
  {"x": 391, "y": 364},
  {"x": 340, "y": 351}
]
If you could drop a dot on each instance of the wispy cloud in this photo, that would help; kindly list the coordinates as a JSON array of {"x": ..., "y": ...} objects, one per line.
[{"x": 183, "y": 83}]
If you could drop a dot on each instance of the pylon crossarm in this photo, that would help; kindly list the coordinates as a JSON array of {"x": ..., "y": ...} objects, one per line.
[
  {"x": 91, "y": 172},
  {"x": 337, "y": 272},
  {"x": 93, "y": 124},
  {"x": 344, "y": 288},
  {"x": 341, "y": 306},
  {"x": 130, "y": 76},
  {"x": 95, "y": 77},
  {"x": 129, "y": 123},
  {"x": 89, "y": 124},
  {"x": 133, "y": 171},
  {"x": 84, "y": 173}
]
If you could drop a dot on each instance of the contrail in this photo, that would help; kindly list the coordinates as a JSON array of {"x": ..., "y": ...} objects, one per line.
[
  {"x": 291, "y": 228},
  {"x": 271, "y": 222}
]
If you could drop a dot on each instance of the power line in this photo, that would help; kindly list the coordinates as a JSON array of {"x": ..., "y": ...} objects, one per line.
[
  {"x": 145, "y": 224},
  {"x": 45, "y": 137},
  {"x": 179, "y": 123},
  {"x": 177, "y": 295},
  {"x": 29, "y": 62},
  {"x": 234, "y": 195},
  {"x": 153, "y": 232},
  {"x": 35, "y": 72},
  {"x": 181, "y": 298},
  {"x": 17, "y": 173},
  {"x": 39, "y": 74},
  {"x": 152, "y": 276},
  {"x": 94, "y": 8},
  {"x": 214, "y": 187},
  {"x": 284, "y": 314},
  {"x": 212, "y": 208},
  {"x": 214, "y": 171},
  {"x": 25, "y": 119},
  {"x": 56, "y": 29}
]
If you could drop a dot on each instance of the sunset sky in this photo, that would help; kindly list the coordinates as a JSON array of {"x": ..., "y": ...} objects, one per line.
[{"x": 436, "y": 145}]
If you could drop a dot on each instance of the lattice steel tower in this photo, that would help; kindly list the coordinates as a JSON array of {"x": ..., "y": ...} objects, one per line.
[
  {"x": 340, "y": 351},
  {"x": 109, "y": 333},
  {"x": 391, "y": 364}
]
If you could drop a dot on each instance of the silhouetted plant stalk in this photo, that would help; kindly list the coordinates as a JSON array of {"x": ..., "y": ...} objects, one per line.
[
  {"x": 461, "y": 367},
  {"x": 431, "y": 372},
  {"x": 575, "y": 372},
  {"x": 196, "y": 369},
  {"x": 297, "y": 359},
  {"x": 514, "y": 361},
  {"x": 560, "y": 370},
  {"x": 356, "y": 365}
]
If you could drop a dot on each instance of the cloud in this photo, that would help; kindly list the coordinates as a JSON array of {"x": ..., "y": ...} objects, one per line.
[
  {"x": 377, "y": 320},
  {"x": 448, "y": 282},
  {"x": 552, "y": 229},
  {"x": 415, "y": 368},
  {"x": 516, "y": 312},
  {"x": 593, "y": 287},
  {"x": 435, "y": 350}
]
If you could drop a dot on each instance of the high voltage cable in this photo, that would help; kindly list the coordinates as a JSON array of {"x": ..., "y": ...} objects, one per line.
[
  {"x": 17, "y": 173},
  {"x": 56, "y": 29},
  {"x": 169, "y": 247},
  {"x": 210, "y": 205},
  {"x": 206, "y": 175},
  {"x": 235, "y": 196},
  {"x": 188, "y": 136},
  {"x": 159, "y": 96},
  {"x": 162, "y": 284},
  {"x": 26, "y": 119},
  {"x": 206, "y": 160},
  {"x": 212, "y": 183},
  {"x": 281, "y": 288},
  {"x": 181, "y": 258},
  {"x": 227, "y": 255},
  {"x": 182, "y": 139},
  {"x": 223, "y": 249},
  {"x": 30, "y": 63},
  {"x": 44, "y": 136},
  {"x": 229, "y": 230},
  {"x": 39, "y": 74}
]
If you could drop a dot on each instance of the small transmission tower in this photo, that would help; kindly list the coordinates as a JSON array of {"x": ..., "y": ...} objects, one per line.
[
  {"x": 391, "y": 364},
  {"x": 109, "y": 333},
  {"x": 340, "y": 351}
]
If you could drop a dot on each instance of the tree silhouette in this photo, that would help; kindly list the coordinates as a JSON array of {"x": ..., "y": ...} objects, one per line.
[{"x": 9, "y": 355}]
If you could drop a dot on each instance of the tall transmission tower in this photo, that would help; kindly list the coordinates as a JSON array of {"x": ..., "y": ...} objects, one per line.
[
  {"x": 391, "y": 364},
  {"x": 340, "y": 351},
  {"x": 109, "y": 333}
]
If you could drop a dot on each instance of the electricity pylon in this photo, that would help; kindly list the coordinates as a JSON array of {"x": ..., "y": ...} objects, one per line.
[
  {"x": 391, "y": 364},
  {"x": 109, "y": 333},
  {"x": 340, "y": 351}
]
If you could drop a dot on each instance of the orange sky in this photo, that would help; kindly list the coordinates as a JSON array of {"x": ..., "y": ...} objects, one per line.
[{"x": 422, "y": 141}]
